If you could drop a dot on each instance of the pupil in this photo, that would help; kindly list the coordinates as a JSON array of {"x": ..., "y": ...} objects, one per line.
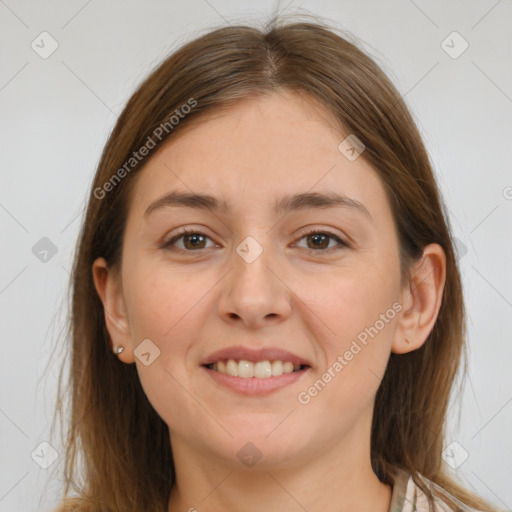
[
  {"x": 318, "y": 237},
  {"x": 193, "y": 239}
]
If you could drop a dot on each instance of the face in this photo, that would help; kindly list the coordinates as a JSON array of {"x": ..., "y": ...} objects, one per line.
[{"x": 253, "y": 277}]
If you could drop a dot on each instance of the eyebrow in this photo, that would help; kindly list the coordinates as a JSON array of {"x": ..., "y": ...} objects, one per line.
[{"x": 292, "y": 202}]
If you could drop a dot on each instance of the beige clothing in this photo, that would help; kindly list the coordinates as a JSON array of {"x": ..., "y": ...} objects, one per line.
[{"x": 408, "y": 497}]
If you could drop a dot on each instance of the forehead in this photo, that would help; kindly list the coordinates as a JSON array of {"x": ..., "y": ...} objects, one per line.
[{"x": 254, "y": 153}]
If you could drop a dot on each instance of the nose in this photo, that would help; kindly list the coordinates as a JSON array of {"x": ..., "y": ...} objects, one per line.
[{"x": 254, "y": 293}]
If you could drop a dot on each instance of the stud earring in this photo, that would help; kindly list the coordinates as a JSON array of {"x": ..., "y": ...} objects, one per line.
[{"x": 118, "y": 350}]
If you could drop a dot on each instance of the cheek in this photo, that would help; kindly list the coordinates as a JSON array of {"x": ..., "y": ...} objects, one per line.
[
  {"x": 165, "y": 308},
  {"x": 346, "y": 302},
  {"x": 358, "y": 319},
  {"x": 160, "y": 303},
  {"x": 170, "y": 308}
]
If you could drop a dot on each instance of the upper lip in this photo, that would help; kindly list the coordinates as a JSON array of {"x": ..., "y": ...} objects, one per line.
[{"x": 250, "y": 354}]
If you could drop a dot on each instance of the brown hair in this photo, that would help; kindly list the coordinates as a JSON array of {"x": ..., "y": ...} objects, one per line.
[{"x": 123, "y": 443}]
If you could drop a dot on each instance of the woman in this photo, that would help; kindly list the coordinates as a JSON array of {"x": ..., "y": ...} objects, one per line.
[{"x": 267, "y": 310}]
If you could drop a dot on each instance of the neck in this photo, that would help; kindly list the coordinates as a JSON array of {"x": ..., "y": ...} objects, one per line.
[{"x": 338, "y": 480}]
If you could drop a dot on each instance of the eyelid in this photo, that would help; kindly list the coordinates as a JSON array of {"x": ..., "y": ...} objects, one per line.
[
  {"x": 167, "y": 242},
  {"x": 341, "y": 240}
]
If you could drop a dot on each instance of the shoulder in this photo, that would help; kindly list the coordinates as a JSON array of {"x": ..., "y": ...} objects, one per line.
[{"x": 408, "y": 496}]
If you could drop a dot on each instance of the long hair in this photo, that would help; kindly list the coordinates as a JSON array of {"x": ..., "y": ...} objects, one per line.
[{"x": 122, "y": 443}]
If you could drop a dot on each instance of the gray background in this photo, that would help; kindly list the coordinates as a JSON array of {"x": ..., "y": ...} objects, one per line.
[{"x": 56, "y": 115}]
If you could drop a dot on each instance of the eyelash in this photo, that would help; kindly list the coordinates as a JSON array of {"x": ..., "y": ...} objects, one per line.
[{"x": 169, "y": 244}]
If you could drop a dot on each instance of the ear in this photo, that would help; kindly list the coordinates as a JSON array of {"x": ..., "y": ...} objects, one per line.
[
  {"x": 421, "y": 300},
  {"x": 109, "y": 288}
]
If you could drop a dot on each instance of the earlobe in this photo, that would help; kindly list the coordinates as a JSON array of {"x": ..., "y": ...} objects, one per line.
[
  {"x": 108, "y": 287},
  {"x": 421, "y": 300}
]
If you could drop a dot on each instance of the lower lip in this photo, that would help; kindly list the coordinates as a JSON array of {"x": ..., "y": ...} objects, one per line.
[{"x": 254, "y": 386}]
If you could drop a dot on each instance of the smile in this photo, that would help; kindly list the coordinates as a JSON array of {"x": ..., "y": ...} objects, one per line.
[{"x": 259, "y": 370}]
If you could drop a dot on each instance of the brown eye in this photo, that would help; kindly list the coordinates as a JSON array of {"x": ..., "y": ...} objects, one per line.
[
  {"x": 192, "y": 240},
  {"x": 320, "y": 240}
]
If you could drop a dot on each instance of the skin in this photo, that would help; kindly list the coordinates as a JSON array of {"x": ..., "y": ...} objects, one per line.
[{"x": 312, "y": 302}]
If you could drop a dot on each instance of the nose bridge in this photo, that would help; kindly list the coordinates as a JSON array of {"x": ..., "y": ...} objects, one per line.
[
  {"x": 253, "y": 293},
  {"x": 251, "y": 277}
]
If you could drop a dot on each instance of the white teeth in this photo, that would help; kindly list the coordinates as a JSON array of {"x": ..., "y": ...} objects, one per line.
[
  {"x": 260, "y": 370},
  {"x": 287, "y": 367},
  {"x": 232, "y": 368},
  {"x": 245, "y": 369},
  {"x": 277, "y": 368}
]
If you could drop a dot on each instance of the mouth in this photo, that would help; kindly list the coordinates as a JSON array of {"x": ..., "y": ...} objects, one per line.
[
  {"x": 255, "y": 371},
  {"x": 265, "y": 369},
  {"x": 255, "y": 378}
]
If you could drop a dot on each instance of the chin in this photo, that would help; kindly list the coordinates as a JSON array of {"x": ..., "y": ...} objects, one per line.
[{"x": 260, "y": 447}]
